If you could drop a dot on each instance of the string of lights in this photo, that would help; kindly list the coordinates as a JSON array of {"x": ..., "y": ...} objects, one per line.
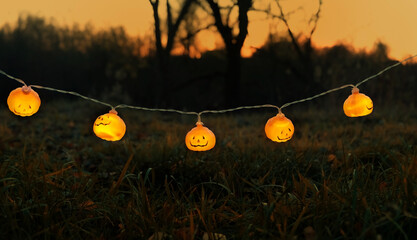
[
  {"x": 24, "y": 101},
  {"x": 72, "y": 93}
]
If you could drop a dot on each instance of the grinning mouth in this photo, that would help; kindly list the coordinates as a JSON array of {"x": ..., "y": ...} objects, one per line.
[
  {"x": 281, "y": 139},
  {"x": 104, "y": 124},
  {"x": 369, "y": 108},
  {"x": 199, "y": 145}
]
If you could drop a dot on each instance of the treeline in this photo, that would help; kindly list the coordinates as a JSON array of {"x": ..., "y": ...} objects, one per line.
[{"x": 109, "y": 65}]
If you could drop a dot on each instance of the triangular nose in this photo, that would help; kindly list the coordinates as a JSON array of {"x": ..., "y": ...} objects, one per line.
[{"x": 198, "y": 140}]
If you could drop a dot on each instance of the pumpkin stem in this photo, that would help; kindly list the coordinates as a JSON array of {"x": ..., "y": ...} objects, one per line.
[
  {"x": 113, "y": 111},
  {"x": 280, "y": 115},
  {"x": 26, "y": 89},
  {"x": 355, "y": 90}
]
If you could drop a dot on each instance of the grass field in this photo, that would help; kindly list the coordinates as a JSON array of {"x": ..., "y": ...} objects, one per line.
[{"x": 338, "y": 178}]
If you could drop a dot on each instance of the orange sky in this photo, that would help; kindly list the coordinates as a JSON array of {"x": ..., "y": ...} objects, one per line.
[{"x": 356, "y": 22}]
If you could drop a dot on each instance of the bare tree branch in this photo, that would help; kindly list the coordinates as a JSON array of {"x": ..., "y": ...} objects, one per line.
[
  {"x": 230, "y": 9},
  {"x": 173, "y": 31},
  {"x": 315, "y": 18},
  {"x": 203, "y": 7},
  {"x": 224, "y": 30},
  {"x": 244, "y": 6},
  {"x": 169, "y": 17},
  {"x": 293, "y": 38},
  {"x": 157, "y": 23},
  {"x": 269, "y": 12},
  {"x": 192, "y": 34}
]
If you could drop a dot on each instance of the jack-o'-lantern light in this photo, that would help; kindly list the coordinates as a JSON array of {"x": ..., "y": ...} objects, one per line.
[
  {"x": 200, "y": 138},
  {"x": 109, "y": 126},
  {"x": 279, "y": 128},
  {"x": 24, "y": 101},
  {"x": 357, "y": 104}
]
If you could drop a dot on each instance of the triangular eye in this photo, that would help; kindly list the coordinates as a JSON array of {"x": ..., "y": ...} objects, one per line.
[
  {"x": 194, "y": 137},
  {"x": 289, "y": 129},
  {"x": 204, "y": 137}
]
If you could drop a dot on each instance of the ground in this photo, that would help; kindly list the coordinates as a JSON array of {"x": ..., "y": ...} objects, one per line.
[{"x": 337, "y": 178}]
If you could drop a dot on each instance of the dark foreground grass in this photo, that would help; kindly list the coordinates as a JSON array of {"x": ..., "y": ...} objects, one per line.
[{"x": 338, "y": 178}]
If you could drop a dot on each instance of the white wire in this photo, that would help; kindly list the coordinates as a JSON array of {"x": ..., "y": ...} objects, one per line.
[
  {"x": 72, "y": 93},
  {"x": 316, "y": 96},
  {"x": 11, "y": 77},
  {"x": 198, "y": 114},
  {"x": 384, "y": 70},
  {"x": 155, "y": 109}
]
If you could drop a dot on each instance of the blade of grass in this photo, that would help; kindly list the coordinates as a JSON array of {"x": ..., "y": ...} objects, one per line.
[{"x": 122, "y": 174}]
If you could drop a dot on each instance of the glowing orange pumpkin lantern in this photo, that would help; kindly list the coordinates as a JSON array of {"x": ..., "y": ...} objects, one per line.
[
  {"x": 109, "y": 126},
  {"x": 357, "y": 104},
  {"x": 200, "y": 138},
  {"x": 24, "y": 101},
  {"x": 279, "y": 128}
]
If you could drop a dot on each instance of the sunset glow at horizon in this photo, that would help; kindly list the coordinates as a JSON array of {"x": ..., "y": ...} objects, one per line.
[{"x": 357, "y": 23}]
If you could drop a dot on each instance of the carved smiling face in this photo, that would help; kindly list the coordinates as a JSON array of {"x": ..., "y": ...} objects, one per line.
[
  {"x": 357, "y": 104},
  {"x": 23, "y": 101},
  {"x": 279, "y": 128},
  {"x": 109, "y": 127},
  {"x": 200, "y": 138}
]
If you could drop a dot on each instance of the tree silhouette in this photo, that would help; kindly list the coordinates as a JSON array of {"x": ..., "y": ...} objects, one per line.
[
  {"x": 303, "y": 67},
  {"x": 304, "y": 50},
  {"x": 233, "y": 34},
  {"x": 163, "y": 53},
  {"x": 108, "y": 65}
]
